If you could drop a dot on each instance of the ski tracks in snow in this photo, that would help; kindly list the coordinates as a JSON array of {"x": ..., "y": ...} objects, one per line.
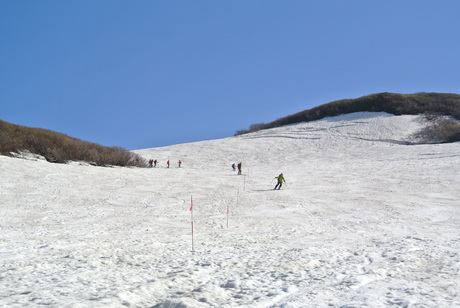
[{"x": 363, "y": 221}]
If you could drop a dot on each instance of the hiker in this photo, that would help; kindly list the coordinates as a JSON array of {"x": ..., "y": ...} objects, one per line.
[
  {"x": 167, "y": 163},
  {"x": 280, "y": 181},
  {"x": 239, "y": 168},
  {"x": 179, "y": 162},
  {"x": 155, "y": 162},
  {"x": 234, "y": 166},
  {"x": 151, "y": 163}
]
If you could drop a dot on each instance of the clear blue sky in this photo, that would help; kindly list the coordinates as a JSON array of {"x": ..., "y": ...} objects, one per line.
[{"x": 151, "y": 73}]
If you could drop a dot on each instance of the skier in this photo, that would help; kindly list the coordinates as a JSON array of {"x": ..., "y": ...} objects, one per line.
[
  {"x": 280, "y": 181},
  {"x": 167, "y": 163},
  {"x": 179, "y": 162},
  {"x": 239, "y": 168},
  {"x": 234, "y": 166},
  {"x": 155, "y": 162},
  {"x": 151, "y": 163}
]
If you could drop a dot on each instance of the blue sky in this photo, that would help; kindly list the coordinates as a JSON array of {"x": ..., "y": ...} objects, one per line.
[{"x": 151, "y": 73}]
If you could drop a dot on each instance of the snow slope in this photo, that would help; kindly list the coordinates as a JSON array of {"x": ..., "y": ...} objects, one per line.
[{"x": 364, "y": 220}]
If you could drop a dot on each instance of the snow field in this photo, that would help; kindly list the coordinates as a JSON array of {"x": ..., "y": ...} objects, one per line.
[{"x": 364, "y": 220}]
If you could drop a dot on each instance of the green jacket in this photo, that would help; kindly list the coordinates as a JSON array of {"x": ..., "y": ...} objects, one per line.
[{"x": 280, "y": 179}]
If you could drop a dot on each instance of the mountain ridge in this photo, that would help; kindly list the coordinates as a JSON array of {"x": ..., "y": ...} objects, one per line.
[
  {"x": 60, "y": 148},
  {"x": 429, "y": 103}
]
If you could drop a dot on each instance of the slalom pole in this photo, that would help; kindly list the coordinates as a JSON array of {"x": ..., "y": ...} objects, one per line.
[
  {"x": 244, "y": 184},
  {"x": 228, "y": 211},
  {"x": 191, "y": 216},
  {"x": 237, "y": 197}
]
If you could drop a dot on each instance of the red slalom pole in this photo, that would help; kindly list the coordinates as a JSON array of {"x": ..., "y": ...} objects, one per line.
[
  {"x": 191, "y": 216},
  {"x": 228, "y": 211}
]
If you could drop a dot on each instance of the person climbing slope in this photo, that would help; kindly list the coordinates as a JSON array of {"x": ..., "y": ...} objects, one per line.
[{"x": 280, "y": 181}]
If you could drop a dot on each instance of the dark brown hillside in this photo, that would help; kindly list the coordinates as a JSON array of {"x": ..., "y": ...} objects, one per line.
[{"x": 59, "y": 148}]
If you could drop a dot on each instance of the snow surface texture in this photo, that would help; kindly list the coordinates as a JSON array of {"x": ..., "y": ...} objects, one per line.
[{"x": 364, "y": 220}]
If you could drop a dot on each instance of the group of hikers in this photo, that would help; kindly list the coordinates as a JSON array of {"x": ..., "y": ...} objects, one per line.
[
  {"x": 154, "y": 163},
  {"x": 280, "y": 178},
  {"x": 239, "y": 167}
]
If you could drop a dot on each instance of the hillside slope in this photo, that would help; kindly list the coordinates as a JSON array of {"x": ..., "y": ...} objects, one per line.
[
  {"x": 364, "y": 220},
  {"x": 60, "y": 148},
  {"x": 393, "y": 103}
]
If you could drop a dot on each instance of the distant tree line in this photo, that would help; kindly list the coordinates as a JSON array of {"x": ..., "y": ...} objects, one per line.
[
  {"x": 60, "y": 148},
  {"x": 431, "y": 104}
]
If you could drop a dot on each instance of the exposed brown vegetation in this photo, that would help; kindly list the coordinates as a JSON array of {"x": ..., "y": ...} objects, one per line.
[
  {"x": 397, "y": 104},
  {"x": 60, "y": 148},
  {"x": 440, "y": 130}
]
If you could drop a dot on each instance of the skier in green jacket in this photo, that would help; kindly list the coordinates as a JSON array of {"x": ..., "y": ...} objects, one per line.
[{"x": 280, "y": 181}]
